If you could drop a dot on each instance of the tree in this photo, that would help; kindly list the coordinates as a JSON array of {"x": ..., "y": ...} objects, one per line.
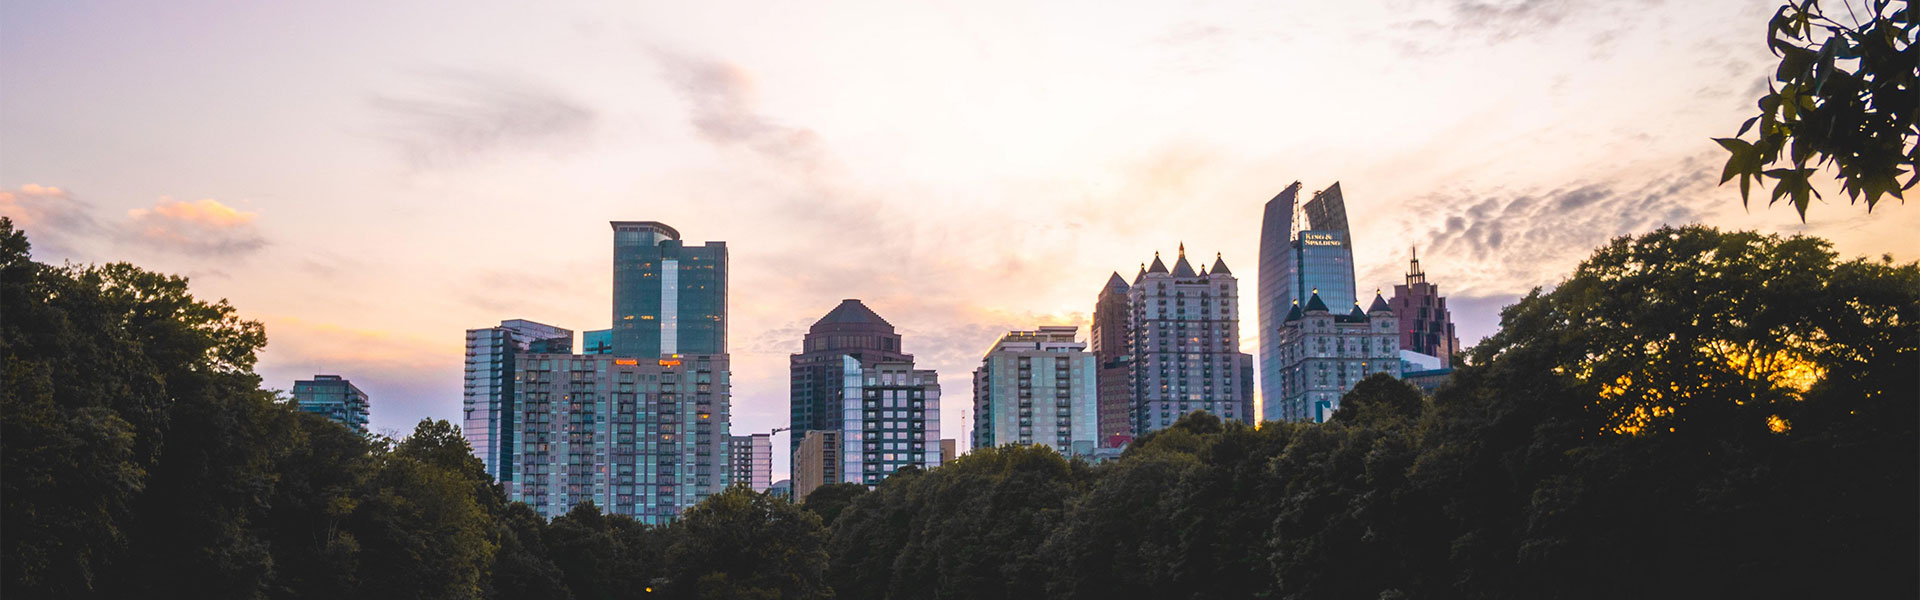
[
  {"x": 1844, "y": 95},
  {"x": 829, "y": 500},
  {"x": 744, "y": 544},
  {"x": 422, "y": 529}
]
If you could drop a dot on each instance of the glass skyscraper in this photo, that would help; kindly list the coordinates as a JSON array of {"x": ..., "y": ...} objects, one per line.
[
  {"x": 334, "y": 398},
  {"x": 1298, "y": 258},
  {"x": 488, "y": 402},
  {"x": 638, "y": 422},
  {"x": 668, "y": 298}
]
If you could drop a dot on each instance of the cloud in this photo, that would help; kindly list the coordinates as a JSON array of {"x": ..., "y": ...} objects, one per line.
[
  {"x": 722, "y": 97},
  {"x": 464, "y": 117},
  {"x": 52, "y": 218},
  {"x": 1448, "y": 25},
  {"x": 1504, "y": 241},
  {"x": 205, "y": 228}
]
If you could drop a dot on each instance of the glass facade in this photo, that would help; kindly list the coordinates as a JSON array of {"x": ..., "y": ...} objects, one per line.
[
  {"x": 487, "y": 404},
  {"x": 334, "y": 398},
  {"x": 1323, "y": 262},
  {"x": 597, "y": 342},
  {"x": 1276, "y": 294},
  {"x": 668, "y": 298},
  {"x": 890, "y": 418}
]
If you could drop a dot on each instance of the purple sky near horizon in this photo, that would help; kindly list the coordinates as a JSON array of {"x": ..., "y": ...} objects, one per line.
[{"x": 371, "y": 179}]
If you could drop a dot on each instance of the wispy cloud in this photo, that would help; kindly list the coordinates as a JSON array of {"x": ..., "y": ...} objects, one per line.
[
  {"x": 460, "y": 117},
  {"x": 1503, "y": 241},
  {"x": 53, "y": 219},
  {"x": 205, "y": 228}
]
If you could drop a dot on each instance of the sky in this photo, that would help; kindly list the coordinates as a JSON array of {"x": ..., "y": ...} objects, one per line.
[{"x": 371, "y": 179}]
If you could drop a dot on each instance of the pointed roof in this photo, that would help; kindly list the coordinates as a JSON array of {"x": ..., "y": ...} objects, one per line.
[
  {"x": 1315, "y": 303},
  {"x": 1219, "y": 265},
  {"x": 1294, "y": 315},
  {"x": 1357, "y": 313},
  {"x": 1379, "y": 303},
  {"x": 851, "y": 311},
  {"x": 1182, "y": 268},
  {"x": 1115, "y": 284},
  {"x": 1158, "y": 267}
]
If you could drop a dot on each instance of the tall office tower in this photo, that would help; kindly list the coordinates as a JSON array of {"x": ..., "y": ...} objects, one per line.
[
  {"x": 752, "y": 458},
  {"x": 668, "y": 298},
  {"x": 818, "y": 379},
  {"x": 1276, "y": 253},
  {"x": 1297, "y": 257},
  {"x": 892, "y": 419},
  {"x": 646, "y": 438},
  {"x": 334, "y": 398},
  {"x": 1324, "y": 353},
  {"x": 1186, "y": 345},
  {"x": 1109, "y": 338},
  {"x": 816, "y": 462},
  {"x": 1425, "y": 324},
  {"x": 487, "y": 403},
  {"x": 948, "y": 450},
  {"x": 1038, "y": 387}
]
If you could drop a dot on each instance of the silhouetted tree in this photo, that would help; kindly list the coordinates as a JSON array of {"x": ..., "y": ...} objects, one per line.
[
  {"x": 830, "y": 499},
  {"x": 1845, "y": 95}
]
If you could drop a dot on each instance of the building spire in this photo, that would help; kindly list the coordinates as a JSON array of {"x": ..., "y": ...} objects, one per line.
[{"x": 1414, "y": 274}]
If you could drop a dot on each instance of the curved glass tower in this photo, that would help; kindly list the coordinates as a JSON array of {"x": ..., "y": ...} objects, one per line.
[{"x": 1294, "y": 266}]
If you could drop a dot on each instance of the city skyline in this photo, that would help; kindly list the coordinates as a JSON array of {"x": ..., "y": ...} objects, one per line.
[{"x": 369, "y": 203}]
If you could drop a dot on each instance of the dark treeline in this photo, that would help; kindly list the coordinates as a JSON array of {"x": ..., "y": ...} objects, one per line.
[{"x": 1692, "y": 413}]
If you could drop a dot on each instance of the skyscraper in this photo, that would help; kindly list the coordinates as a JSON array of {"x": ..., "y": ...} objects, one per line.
[
  {"x": 668, "y": 298},
  {"x": 1186, "y": 345},
  {"x": 892, "y": 419},
  {"x": 640, "y": 437},
  {"x": 1425, "y": 324},
  {"x": 334, "y": 398},
  {"x": 639, "y": 422},
  {"x": 1324, "y": 352},
  {"x": 1297, "y": 258},
  {"x": 752, "y": 458},
  {"x": 1276, "y": 293},
  {"x": 817, "y": 372},
  {"x": 487, "y": 404},
  {"x": 1108, "y": 335},
  {"x": 1038, "y": 387}
]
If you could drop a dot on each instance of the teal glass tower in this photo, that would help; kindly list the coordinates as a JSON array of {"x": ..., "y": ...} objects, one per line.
[{"x": 668, "y": 297}]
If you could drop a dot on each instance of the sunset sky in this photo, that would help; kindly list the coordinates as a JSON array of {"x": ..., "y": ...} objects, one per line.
[{"x": 371, "y": 179}]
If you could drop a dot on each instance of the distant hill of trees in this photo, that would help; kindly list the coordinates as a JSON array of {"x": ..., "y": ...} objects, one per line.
[{"x": 1692, "y": 413}]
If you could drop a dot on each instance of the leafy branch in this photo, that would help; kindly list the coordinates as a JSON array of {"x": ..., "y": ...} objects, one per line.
[{"x": 1844, "y": 96}]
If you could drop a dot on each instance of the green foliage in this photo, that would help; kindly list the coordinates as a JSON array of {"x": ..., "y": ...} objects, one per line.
[
  {"x": 829, "y": 500},
  {"x": 1844, "y": 95},
  {"x": 744, "y": 544}
]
